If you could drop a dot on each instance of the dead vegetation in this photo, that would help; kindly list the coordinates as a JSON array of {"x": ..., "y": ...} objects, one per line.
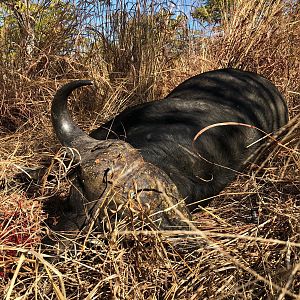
[{"x": 245, "y": 245}]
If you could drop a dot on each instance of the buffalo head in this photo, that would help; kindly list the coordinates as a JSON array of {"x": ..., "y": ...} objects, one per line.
[{"x": 113, "y": 182}]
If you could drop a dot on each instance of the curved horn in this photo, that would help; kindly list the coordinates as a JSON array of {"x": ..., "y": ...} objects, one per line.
[{"x": 65, "y": 128}]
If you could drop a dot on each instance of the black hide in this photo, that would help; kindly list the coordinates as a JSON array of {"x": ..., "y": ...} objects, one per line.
[{"x": 163, "y": 130}]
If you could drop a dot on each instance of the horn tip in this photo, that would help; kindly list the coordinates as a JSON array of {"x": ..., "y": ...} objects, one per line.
[{"x": 84, "y": 82}]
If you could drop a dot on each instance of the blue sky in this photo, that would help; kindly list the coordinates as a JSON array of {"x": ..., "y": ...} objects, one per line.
[{"x": 181, "y": 7}]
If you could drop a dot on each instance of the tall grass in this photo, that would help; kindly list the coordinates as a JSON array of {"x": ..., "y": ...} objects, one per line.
[
  {"x": 136, "y": 52},
  {"x": 263, "y": 38}
]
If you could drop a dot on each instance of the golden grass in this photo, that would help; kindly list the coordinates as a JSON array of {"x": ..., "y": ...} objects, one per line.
[{"x": 244, "y": 245}]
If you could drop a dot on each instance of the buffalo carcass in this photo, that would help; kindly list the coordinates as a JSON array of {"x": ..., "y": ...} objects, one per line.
[{"x": 148, "y": 150}]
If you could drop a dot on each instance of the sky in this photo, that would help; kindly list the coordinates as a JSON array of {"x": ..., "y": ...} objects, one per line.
[{"x": 176, "y": 8}]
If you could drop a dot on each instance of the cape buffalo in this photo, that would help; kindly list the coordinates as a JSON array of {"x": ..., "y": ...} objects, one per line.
[{"x": 161, "y": 134}]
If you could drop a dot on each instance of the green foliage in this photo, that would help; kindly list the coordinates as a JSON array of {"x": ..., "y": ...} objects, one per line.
[
  {"x": 29, "y": 28},
  {"x": 212, "y": 11}
]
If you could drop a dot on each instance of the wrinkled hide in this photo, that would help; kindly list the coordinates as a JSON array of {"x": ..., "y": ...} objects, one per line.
[{"x": 113, "y": 183}]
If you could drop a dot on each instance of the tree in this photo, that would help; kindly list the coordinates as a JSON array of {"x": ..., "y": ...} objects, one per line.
[{"x": 212, "y": 11}]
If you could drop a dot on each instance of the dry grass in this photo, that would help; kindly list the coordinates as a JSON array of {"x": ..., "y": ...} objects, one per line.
[{"x": 245, "y": 245}]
